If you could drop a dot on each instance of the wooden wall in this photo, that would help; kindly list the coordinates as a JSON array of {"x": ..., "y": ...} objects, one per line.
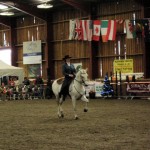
[
  {"x": 79, "y": 50},
  {"x": 30, "y": 29},
  {"x": 4, "y": 32},
  {"x": 120, "y": 10},
  {"x": 25, "y": 29},
  {"x": 102, "y": 54}
]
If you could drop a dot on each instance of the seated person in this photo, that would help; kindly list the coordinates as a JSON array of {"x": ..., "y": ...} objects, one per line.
[
  {"x": 69, "y": 72},
  {"x": 16, "y": 81},
  {"x": 11, "y": 82},
  {"x": 39, "y": 80},
  {"x": 26, "y": 81}
]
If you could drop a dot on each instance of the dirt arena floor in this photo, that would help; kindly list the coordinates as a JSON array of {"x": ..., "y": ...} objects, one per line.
[{"x": 108, "y": 125}]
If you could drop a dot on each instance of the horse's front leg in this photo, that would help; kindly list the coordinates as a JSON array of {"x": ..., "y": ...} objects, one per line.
[
  {"x": 83, "y": 98},
  {"x": 74, "y": 108}
]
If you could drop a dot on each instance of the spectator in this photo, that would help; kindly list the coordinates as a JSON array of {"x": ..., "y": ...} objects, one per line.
[
  {"x": 11, "y": 82},
  {"x": 16, "y": 81},
  {"x": 39, "y": 80},
  {"x": 26, "y": 81}
]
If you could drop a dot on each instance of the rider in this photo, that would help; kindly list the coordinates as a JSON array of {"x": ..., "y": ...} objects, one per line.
[{"x": 68, "y": 71}]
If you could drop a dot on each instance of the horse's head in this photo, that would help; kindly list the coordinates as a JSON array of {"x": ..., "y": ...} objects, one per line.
[{"x": 82, "y": 76}]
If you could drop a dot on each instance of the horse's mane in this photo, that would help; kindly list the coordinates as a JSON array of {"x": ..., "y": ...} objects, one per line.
[{"x": 81, "y": 69}]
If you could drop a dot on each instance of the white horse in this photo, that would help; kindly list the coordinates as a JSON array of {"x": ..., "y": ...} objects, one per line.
[{"x": 76, "y": 92}]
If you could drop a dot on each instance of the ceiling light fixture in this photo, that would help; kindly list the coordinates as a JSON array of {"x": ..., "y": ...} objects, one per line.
[
  {"x": 7, "y": 13},
  {"x": 3, "y": 6},
  {"x": 44, "y": 6}
]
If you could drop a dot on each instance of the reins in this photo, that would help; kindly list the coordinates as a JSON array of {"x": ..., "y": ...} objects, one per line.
[{"x": 82, "y": 82}]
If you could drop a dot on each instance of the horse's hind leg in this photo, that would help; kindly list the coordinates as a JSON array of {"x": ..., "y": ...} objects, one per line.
[{"x": 60, "y": 110}]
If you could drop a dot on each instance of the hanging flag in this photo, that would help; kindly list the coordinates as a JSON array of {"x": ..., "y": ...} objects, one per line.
[
  {"x": 89, "y": 30},
  {"x": 96, "y": 30},
  {"x": 84, "y": 32},
  {"x": 71, "y": 29},
  {"x": 130, "y": 29},
  {"x": 112, "y": 33},
  {"x": 139, "y": 28},
  {"x": 105, "y": 30},
  {"x": 78, "y": 30},
  {"x": 146, "y": 31}
]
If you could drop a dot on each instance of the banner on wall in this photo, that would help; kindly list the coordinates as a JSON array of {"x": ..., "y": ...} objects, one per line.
[
  {"x": 32, "y": 53},
  {"x": 98, "y": 89},
  {"x": 123, "y": 66},
  {"x": 34, "y": 70}
]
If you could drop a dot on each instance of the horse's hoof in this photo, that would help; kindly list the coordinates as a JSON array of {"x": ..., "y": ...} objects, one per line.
[
  {"x": 76, "y": 118},
  {"x": 85, "y": 110},
  {"x": 59, "y": 116},
  {"x": 62, "y": 115}
]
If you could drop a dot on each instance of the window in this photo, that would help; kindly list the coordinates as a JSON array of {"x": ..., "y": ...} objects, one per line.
[{"x": 5, "y": 56}]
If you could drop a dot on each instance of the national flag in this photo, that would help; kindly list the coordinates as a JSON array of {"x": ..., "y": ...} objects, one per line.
[
  {"x": 112, "y": 33},
  {"x": 130, "y": 29},
  {"x": 105, "y": 30},
  {"x": 146, "y": 31},
  {"x": 121, "y": 22},
  {"x": 71, "y": 29},
  {"x": 78, "y": 30},
  {"x": 139, "y": 27},
  {"x": 96, "y": 30},
  {"x": 89, "y": 30},
  {"x": 84, "y": 32}
]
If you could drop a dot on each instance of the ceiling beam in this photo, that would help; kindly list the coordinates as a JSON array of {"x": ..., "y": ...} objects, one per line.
[
  {"x": 82, "y": 6},
  {"x": 27, "y": 9}
]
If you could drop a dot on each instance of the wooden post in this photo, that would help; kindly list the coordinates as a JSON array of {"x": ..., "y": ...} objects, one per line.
[{"x": 116, "y": 85}]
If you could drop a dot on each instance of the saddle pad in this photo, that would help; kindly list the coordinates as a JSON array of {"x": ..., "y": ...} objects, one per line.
[{"x": 60, "y": 80}]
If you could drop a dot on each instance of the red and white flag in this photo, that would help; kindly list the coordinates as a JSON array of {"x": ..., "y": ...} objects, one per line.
[
  {"x": 89, "y": 30},
  {"x": 84, "y": 27},
  {"x": 129, "y": 29},
  {"x": 96, "y": 30},
  {"x": 78, "y": 30},
  {"x": 112, "y": 33}
]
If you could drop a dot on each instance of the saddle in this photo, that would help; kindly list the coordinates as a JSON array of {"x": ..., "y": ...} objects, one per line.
[{"x": 60, "y": 80}]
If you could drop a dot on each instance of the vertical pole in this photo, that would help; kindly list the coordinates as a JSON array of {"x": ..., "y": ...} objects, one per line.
[
  {"x": 111, "y": 76},
  {"x": 116, "y": 85},
  {"x": 120, "y": 84}
]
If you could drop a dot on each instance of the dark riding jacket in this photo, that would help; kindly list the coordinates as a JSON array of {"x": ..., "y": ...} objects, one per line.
[{"x": 66, "y": 70}]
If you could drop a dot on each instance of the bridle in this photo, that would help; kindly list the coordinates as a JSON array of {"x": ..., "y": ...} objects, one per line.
[{"x": 82, "y": 82}]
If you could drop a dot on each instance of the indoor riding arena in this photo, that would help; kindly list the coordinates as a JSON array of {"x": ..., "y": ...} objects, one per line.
[
  {"x": 74, "y": 75},
  {"x": 109, "y": 124}
]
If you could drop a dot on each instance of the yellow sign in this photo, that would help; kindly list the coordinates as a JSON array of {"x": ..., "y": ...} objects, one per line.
[{"x": 123, "y": 66}]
